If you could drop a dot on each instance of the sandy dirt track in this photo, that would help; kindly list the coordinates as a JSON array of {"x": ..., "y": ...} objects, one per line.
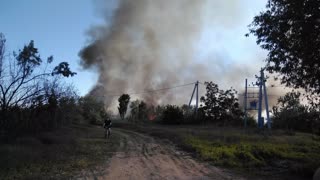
[{"x": 142, "y": 157}]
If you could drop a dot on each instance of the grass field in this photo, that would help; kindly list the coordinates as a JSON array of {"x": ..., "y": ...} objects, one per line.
[
  {"x": 60, "y": 154},
  {"x": 266, "y": 154}
]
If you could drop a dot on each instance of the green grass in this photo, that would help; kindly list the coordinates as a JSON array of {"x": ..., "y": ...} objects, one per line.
[
  {"x": 252, "y": 152},
  {"x": 297, "y": 154},
  {"x": 236, "y": 155},
  {"x": 60, "y": 154}
]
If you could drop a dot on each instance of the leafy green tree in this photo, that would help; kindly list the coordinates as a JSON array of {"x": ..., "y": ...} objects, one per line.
[
  {"x": 290, "y": 114},
  {"x": 211, "y": 106},
  {"x": 92, "y": 109},
  {"x": 221, "y": 106},
  {"x": 290, "y": 31},
  {"x": 123, "y": 104}
]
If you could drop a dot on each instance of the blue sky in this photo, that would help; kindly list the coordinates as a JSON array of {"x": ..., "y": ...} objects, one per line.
[{"x": 59, "y": 28}]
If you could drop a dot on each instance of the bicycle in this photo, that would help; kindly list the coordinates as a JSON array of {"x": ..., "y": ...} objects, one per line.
[{"x": 107, "y": 132}]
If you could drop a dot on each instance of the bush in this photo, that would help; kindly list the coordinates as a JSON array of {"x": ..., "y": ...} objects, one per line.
[
  {"x": 92, "y": 110},
  {"x": 251, "y": 122},
  {"x": 172, "y": 115},
  {"x": 291, "y": 114}
]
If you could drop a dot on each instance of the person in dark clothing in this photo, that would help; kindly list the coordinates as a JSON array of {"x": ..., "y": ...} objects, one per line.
[{"x": 107, "y": 126}]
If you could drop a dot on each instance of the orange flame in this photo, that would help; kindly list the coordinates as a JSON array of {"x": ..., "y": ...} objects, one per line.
[{"x": 151, "y": 117}]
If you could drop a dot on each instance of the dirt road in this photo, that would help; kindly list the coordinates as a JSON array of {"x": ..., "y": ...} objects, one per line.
[{"x": 142, "y": 157}]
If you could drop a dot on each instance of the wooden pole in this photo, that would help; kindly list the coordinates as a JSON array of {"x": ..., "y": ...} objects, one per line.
[{"x": 192, "y": 94}]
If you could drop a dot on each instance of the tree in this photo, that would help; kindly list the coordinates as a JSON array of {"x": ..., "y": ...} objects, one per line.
[
  {"x": 211, "y": 101},
  {"x": 92, "y": 109},
  {"x": 172, "y": 115},
  {"x": 134, "y": 106},
  {"x": 220, "y": 106},
  {"x": 290, "y": 31},
  {"x": 124, "y": 100},
  {"x": 24, "y": 77},
  {"x": 142, "y": 111},
  {"x": 191, "y": 116},
  {"x": 290, "y": 113}
]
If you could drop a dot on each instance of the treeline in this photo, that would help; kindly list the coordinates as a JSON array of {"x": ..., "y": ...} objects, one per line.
[
  {"x": 219, "y": 107},
  {"x": 222, "y": 108}
]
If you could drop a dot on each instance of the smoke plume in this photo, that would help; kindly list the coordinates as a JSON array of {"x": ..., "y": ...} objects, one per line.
[{"x": 146, "y": 45}]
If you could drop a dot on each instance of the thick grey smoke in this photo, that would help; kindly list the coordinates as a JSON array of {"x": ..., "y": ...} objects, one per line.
[
  {"x": 151, "y": 44},
  {"x": 146, "y": 46}
]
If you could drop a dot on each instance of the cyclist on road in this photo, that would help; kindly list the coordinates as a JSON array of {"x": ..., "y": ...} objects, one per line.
[{"x": 107, "y": 126}]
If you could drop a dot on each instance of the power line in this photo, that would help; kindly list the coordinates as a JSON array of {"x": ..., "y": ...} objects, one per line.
[
  {"x": 168, "y": 88},
  {"x": 267, "y": 95},
  {"x": 276, "y": 86},
  {"x": 153, "y": 91}
]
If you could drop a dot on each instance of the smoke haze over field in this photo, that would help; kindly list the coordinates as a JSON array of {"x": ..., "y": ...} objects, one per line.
[{"x": 146, "y": 45}]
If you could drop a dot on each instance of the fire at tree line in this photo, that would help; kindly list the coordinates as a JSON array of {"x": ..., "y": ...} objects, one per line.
[{"x": 34, "y": 99}]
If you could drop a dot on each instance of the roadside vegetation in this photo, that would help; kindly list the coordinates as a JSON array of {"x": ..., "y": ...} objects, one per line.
[
  {"x": 46, "y": 129},
  {"x": 60, "y": 154}
]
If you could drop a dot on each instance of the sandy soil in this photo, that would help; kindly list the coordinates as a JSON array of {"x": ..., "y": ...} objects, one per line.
[{"x": 143, "y": 157}]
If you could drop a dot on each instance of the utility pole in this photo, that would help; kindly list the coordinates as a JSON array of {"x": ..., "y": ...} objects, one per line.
[
  {"x": 197, "y": 96},
  {"x": 260, "y": 83},
  {"x": 266, "y": 101},
  {"x": 262, "y": 92},
  {"x": 196, "y": 87},
  {"x": 245, "y": 104}
]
